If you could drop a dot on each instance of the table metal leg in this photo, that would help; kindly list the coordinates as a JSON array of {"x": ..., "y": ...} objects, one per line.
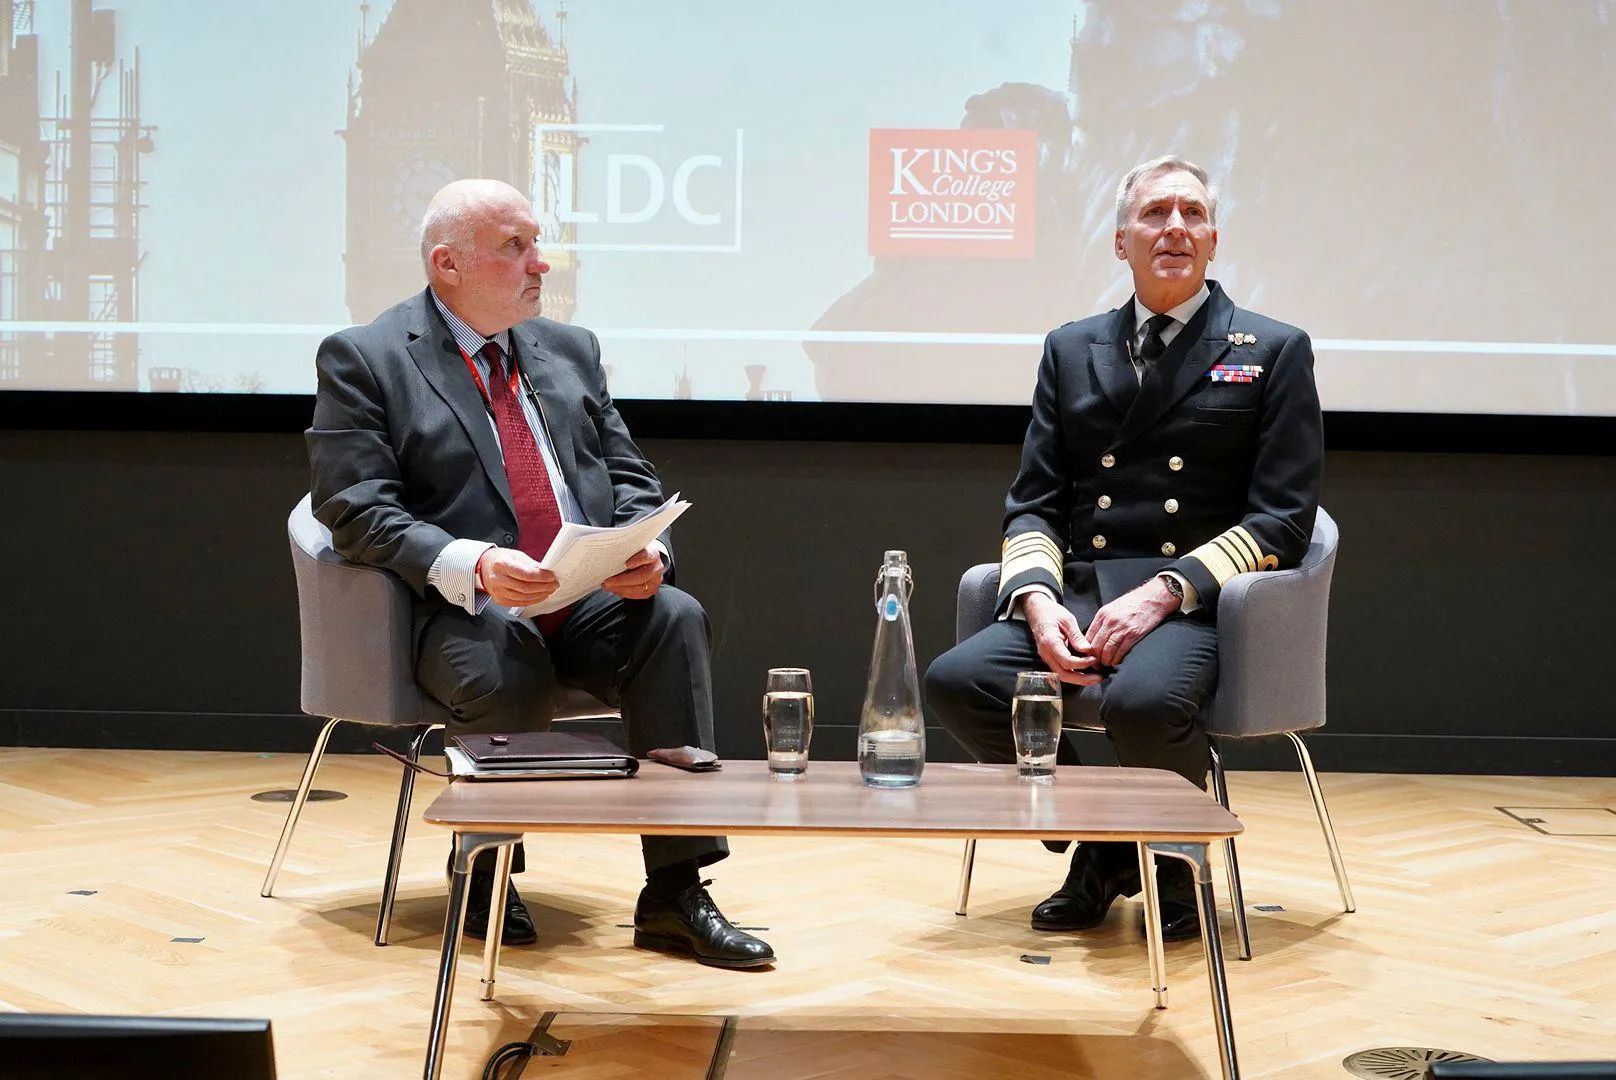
[
  {"x": 466, "y": 846},
  {"x": 1153, "y": 925},
  {"x": 966, "y": 865},
  {"x": 1206, "y": 907},
  {"x": 496, "y": 918}
]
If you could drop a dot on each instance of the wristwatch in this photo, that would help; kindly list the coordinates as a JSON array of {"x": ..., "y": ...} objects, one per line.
[{"x": 1173, "y": 586}]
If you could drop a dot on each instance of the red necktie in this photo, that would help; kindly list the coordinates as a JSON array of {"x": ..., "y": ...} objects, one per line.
[{"x": 538, "y": 515}]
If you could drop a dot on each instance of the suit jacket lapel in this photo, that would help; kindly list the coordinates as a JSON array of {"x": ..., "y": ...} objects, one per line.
[
  {"x": 1112, "y": 367},
  {"x": 1202, "y": 343},
  {"x": 540, "y": 372},
  {"x": 434, "y": 351}
]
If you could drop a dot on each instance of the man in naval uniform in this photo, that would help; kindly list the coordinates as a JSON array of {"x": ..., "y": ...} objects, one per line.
[{"x": 1175, "y": 442}]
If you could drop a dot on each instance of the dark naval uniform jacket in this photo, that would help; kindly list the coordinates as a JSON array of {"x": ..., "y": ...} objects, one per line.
[{"x": 1210, "y": 468}]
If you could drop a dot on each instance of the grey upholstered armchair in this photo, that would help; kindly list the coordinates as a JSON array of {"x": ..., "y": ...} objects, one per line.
[
  {"x": 1271, "y": 644},
  {"x": 358, "y": 666}
]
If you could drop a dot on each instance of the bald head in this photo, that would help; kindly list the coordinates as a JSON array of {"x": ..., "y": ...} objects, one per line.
[
  {"x": 452, "y": 214},
  {"x": 479, "y": 243}
]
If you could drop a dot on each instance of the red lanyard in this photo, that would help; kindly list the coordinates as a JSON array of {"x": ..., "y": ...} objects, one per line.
[{"x": 515, "y": 383}]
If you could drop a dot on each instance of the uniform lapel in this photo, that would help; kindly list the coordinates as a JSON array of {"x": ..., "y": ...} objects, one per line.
[
  {"x": 1202, "y": 342},
  {"x": 540, "y": 372},
  {"x": 1110, "y": 358},
  {"x": 434, "y": 351}
]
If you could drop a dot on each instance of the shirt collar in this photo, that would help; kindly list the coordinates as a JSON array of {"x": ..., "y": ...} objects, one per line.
[
  {"x": 1181, "y": 314},
  {"x": 470, "y": 341}
]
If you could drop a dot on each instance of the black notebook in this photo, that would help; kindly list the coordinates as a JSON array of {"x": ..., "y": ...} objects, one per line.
[{"x": 542, "y": 751}]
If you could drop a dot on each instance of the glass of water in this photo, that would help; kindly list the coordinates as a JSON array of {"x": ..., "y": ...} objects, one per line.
[
  {"x": 788, "y": 721},
  {"x": 1035, "y": 724}
]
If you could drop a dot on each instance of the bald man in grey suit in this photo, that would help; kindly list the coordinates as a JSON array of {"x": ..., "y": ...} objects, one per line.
[{"x": 444, "y": 432}]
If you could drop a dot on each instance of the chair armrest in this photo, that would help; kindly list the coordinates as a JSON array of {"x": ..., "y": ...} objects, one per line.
[
  {"x": 356, "y": 626},
  {"x": 1271, "y": 648},
  {"x": 973, "y": 610}
]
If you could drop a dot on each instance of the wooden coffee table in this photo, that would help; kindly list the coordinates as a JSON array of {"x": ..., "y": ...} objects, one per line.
[{"x": 1159, "y": 811}]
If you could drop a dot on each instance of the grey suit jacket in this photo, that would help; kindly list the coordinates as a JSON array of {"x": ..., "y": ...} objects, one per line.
[{"x": 403, "y": 456}]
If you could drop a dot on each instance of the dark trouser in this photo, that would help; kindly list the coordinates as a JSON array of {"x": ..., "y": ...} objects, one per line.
[
  {"x": 1150, "y": 708},
  {"x": 648, "y": 657}
]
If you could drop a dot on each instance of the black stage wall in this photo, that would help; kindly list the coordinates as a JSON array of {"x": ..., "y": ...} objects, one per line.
[{"x": 148, "y": 596}]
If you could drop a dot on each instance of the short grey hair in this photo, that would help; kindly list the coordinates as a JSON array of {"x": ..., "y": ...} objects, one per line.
[
  {"x": 1165, "y": 163},
  {"x": 448, "y": 222}
]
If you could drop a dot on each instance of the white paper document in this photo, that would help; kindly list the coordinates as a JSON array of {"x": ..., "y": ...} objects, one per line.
[{"x": 583, "y": 556}]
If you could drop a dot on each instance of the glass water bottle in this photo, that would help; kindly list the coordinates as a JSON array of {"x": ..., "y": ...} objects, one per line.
[{"x": 892, "y": 731}]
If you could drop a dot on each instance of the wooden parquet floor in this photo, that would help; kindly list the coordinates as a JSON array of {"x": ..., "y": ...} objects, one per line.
[{"x": 1475, "y": 932}]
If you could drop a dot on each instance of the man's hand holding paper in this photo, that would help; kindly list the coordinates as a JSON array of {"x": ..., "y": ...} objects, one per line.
[
  {"x": 641, "y": 577},
  {"x": 621, "y": 559},
  {"x": 511, "y": 577}
]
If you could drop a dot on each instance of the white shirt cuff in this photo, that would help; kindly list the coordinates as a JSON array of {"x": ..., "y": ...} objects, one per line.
[
  {"x": 661, "y": 549},
  {"x": 454, "y": 574},
  {"x": 1013, "y": 610},
  {"x": 1192, "y": 599}
]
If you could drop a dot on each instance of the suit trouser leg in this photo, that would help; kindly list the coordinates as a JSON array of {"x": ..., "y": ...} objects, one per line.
[
  {"x": 493, "y": 675},
  {"x": 969, "y": 689},
  {"x": 1150, "y": 707},
  {"x": 649, "y": 657}
]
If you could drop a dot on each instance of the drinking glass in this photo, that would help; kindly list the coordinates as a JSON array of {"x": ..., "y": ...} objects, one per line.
[
  {"x": 1035, "y": 724},
  {"x": 788, "y": 721}
]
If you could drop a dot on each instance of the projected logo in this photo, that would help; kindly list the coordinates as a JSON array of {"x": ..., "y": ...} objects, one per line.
[
  {"x": 955, "y": 193},
  {"x": 637, "y": 187}
]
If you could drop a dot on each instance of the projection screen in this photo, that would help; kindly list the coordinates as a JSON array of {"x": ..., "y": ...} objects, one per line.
[{"x": 829, "y": 201}]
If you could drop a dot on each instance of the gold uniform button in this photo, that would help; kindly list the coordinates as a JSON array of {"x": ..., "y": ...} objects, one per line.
[
  {"x": 1099, "y": 541},
  {"x": 1175, "y": 463},
  {"x": 1171, "y": 506},
  {"x": 1168, "y": 548},
  {"x": 1108, "y": 460},
  {"x": 1104, "y": 502}
]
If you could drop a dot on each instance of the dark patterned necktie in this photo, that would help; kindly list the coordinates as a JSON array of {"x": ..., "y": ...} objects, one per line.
[
  {"x": 538, "y": 515},
  {"x": 1153, "y": 346},
  {"x": 1150, "y": 350}
]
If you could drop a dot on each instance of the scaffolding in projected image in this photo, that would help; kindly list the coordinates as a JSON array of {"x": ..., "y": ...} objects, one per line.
[{"x": 73, "y": 254}]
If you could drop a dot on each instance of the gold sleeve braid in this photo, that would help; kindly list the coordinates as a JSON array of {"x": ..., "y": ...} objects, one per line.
[
  {"x": 1232, "y": 552},
  {"x": 1030, "y": 551}
]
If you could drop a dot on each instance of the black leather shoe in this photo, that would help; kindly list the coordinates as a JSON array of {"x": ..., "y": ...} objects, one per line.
[
  {"x": 690, "y": 924},
  {"x": 518, "y": 928},
  {"x": 1176, "y": 891},
  {"x": 1099, "y": 875}
]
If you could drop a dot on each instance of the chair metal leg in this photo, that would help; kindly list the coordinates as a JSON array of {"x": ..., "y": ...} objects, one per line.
[
  {"x": 297, "y": 805},
  {"x": 966, "y": 866},
  {"x": 1347, "y": 902},
  {"x": 401, "y": 824},
  {"x": 1231, "y": 862}
]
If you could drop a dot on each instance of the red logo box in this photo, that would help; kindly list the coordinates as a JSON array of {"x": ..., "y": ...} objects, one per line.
[{"x": 953, "y": 193}]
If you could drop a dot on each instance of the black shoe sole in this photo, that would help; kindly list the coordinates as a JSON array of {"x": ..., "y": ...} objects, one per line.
[
  {"x": 1054, "y": 927},
  {"x": 675, "y": 947},
  {"x": 1190, "y": 934},
  {"x": 505, "y": 940}
]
